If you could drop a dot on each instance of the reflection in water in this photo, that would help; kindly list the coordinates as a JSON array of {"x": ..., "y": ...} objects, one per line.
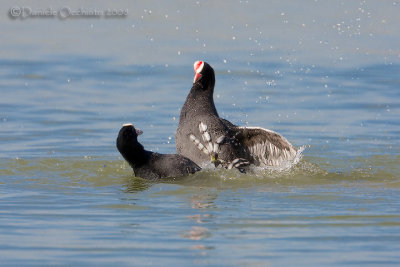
[
  {"x": 199, "y": 218},
  {"x": 205, "y": 201},
  {"x": 197, "y": 233},
  {"x": 136, "y": 184},
  {"x": 202, "y": 203}
]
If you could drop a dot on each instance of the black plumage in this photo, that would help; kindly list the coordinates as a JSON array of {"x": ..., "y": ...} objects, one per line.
[
  {"x": 203, "y": 136},
  {"x": 151, "y": 165}
]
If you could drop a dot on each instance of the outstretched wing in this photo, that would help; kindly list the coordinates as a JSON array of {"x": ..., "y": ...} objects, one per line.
[{"x": 265, "y": 146}]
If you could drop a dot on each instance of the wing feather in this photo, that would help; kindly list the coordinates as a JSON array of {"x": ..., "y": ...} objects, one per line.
[{"x": 265, "y": 146}]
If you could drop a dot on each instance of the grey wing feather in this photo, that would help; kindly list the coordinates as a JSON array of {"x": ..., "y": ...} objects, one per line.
[{"x": 265, "y": 146}]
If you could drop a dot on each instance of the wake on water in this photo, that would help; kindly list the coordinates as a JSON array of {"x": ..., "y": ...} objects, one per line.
[{"x": 284, "y": 166}]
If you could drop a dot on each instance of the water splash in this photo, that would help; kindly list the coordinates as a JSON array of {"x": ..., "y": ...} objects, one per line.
[{"x": 286, "y": 165}]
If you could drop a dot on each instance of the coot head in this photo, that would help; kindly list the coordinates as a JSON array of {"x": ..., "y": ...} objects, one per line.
[
  {"x": 129, "y": 133},
  {"x": 204, "y": 75},
  {"x": 128, "y": 144}
]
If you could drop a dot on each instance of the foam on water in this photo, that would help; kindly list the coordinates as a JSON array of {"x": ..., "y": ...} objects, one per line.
[{"x": 261, "y": 171}]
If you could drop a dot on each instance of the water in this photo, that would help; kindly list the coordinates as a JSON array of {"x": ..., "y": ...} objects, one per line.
[{"x": 326, "y": 76}]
